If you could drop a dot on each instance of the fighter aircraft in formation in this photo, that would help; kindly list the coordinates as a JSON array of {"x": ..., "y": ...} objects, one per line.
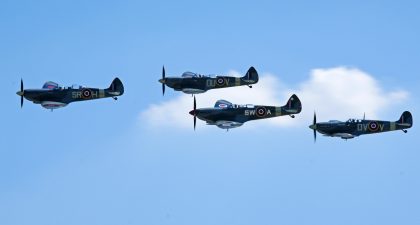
[
  {"x": 193, "y": 83},
  {"x": 355, "y": 127},
  {"x": 226, "y": 115},
  {"x": 52, "y": 96}
]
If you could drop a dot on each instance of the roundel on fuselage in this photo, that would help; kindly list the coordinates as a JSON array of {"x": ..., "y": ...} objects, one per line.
[
  {"x": 86, "y": 93},
  {"x": 261, "y": 111},
  {"x": 373, "y": 126},
  {"x": 220, "y": 81}
]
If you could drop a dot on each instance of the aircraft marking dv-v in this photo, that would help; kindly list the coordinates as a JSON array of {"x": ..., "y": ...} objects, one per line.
[
  {"x": 193, "y": 83},
  {"x": 353, "y": 128}
]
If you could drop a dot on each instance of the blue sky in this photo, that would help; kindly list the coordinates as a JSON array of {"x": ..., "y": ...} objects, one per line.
[{"x": 101, "y": 162}]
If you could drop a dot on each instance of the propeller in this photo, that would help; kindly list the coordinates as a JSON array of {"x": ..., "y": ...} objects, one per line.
[
  {"x": 195, "y": 114},
  {"x": 314, "y": 127},
  {"x": 163, "y": 79},
  {"x": 21, "y": 93}
]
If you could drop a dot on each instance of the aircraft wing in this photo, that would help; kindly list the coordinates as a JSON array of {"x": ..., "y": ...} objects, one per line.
[
  {"x": 223, "y": 124},
  {"x": 344, "y": 135}
]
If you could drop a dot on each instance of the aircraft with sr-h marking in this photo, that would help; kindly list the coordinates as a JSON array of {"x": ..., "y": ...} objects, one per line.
[{"x": 53, "y": 96}]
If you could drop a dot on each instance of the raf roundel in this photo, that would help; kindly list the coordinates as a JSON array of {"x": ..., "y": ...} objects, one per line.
[
  {"x": 220, "y": 81},
  {"x": 86, "y": 93},
  {"x": 222, "y": 105},
  {"x": 261, "y": 111},
  {"x": 373, "y": 126}
]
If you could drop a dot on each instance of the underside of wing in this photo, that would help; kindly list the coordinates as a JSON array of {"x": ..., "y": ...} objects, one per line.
[
  {"x": 192, "y": 91},
  {"x": 344, "y": 135},
  {"x": 223, "y": 124},
  {"x": 53, "y": 105}
]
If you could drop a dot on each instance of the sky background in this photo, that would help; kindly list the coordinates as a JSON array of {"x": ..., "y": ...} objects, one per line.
[{"x": 113, "y": 162}]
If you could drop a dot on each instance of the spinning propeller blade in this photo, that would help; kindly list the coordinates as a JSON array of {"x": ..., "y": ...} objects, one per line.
[
  {"x": 163, "y": 78},
  {"x": 195, "y": 114},
  {"x": 314, "y": 127},
  {"x": 21, "y": 91}
]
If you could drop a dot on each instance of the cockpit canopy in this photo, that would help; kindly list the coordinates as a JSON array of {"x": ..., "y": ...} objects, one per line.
[
  {"x": 349, "y": 121},
  {"x": 354, "y": 121},
  {"x": 189, "y": 74},
  {"x": 51, "y": 85},
  {"x": 334, "y": 121},
  {"x": 223, "y": 104},
  {"x": 76, "y": 86}
]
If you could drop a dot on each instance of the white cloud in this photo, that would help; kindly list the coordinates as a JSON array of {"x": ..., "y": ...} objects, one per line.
[
  {"x": 340, "y": 93},
  {"x": 335, "y": 93}
]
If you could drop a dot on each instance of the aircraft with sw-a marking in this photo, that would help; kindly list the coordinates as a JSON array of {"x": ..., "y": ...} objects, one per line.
[
  {"x": 226, "y": 115},
  {"x": 353, "y": 128},
  {"x": 52, "y": 96},
  {"x": 193, "y": 83}
]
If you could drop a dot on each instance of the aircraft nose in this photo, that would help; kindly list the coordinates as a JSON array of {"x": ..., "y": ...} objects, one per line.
[
  {"x": 20, "y": 93},
  {"x": 162, "y": 81},
  {"x": 192, "y": 112},
  {"x": 313, "y": 126}
]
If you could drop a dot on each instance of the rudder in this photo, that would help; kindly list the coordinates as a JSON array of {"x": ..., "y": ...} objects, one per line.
[
  {"x": 406, "y": 118},
  {"x": 251, "y": 76},
  {"x": 116, "y": 86},
  {"x": 294, "y": 104}
]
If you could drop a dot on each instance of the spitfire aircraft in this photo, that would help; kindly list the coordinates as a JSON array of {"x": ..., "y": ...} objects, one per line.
[
  {"x": 226, "y": 115},
  {"x": 353, "y": 128},
  {"x": 52, "y": 96},
  {"x": 193, "y": 83}
]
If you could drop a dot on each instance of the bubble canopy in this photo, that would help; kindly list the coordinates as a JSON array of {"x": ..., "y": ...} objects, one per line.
[{"x": 189, "y": 74}]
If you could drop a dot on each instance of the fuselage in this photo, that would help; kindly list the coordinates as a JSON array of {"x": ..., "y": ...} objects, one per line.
[
  {"x": 197, "y": 85},
  {"x": 357, "y": 127},
  {"x": 60, "y": 97},
  {"x": 242, "y": 114},
  {"x": 235, "y": 116}
]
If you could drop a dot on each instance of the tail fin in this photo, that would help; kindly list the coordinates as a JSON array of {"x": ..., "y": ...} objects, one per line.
[
  {"x": 293, "y": 106},
  {"x": 116, "y": 87},
  {"x": 406, "y": 119},
  {"x": 251, "y": 76}
]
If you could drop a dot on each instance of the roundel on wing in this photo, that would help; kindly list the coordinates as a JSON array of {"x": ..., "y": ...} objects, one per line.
[
  {"x": 373, "y": 126},
  {"x": 86, "y": 93},
  {"x": 222, "y": 105},
  {"x": 220, "y": 81},
  {"x": 261, "y": 111}
]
